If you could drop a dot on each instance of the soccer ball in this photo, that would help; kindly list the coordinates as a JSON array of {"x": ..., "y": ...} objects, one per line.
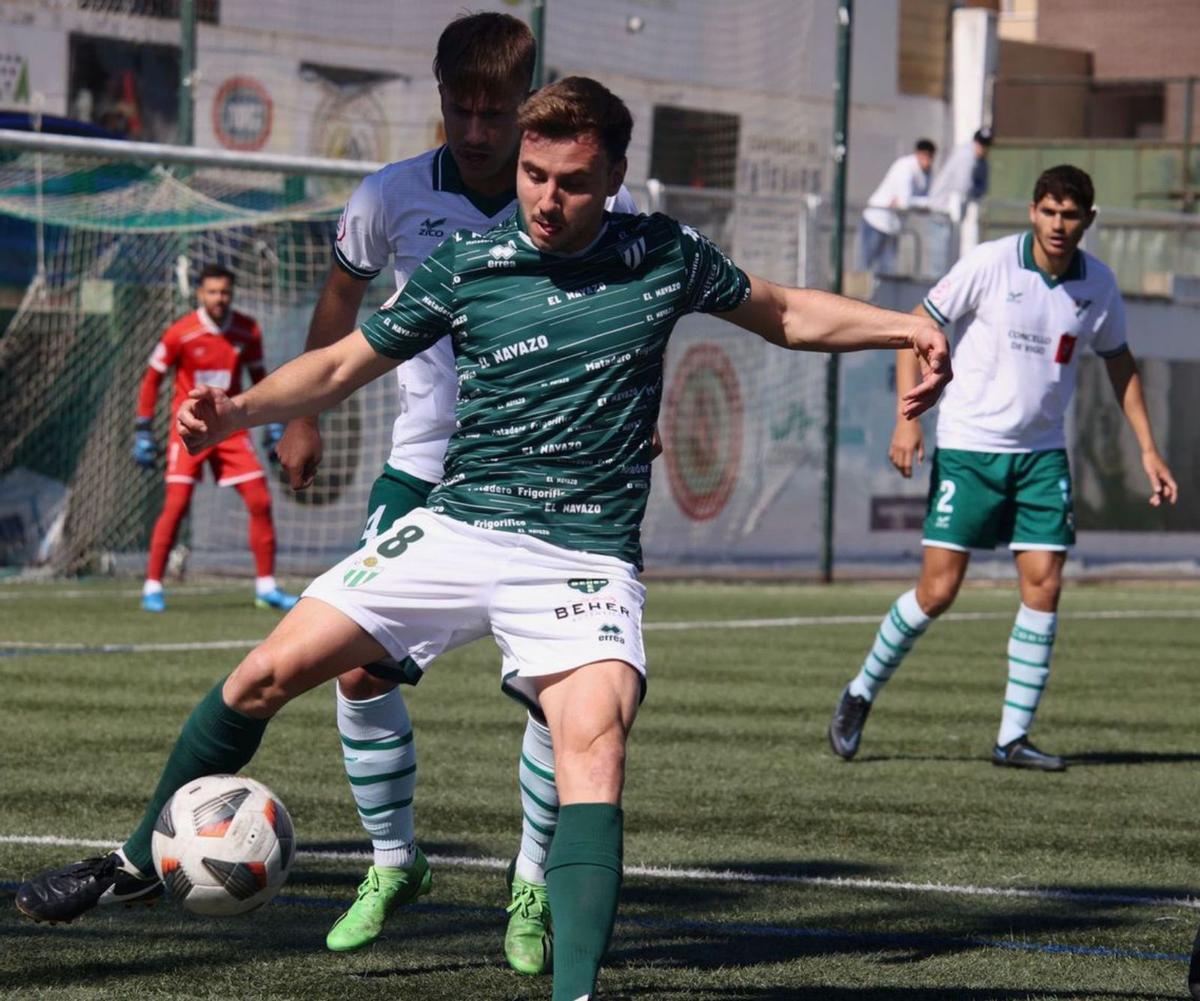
[{"x": 223, "y": 845}]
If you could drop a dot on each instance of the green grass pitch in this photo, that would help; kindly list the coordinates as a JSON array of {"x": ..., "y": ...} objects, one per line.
[{"x": 889, "y": 878}]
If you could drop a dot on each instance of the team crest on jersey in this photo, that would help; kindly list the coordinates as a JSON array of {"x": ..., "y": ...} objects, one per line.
[
  {"x": 588, "y": 586},
  {"x": 361, "y": 572},
  {"x": 432, "y": 227},
  {"x": 634, "y": 253}
]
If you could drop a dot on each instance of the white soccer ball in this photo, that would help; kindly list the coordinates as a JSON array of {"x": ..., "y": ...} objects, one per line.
[{"x": 223, "y": 845}]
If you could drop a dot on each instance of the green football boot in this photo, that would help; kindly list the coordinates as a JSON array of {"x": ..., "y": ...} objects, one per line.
[
  {"x": 529, "y": 940},
  {"x": 384, "y": 889}
]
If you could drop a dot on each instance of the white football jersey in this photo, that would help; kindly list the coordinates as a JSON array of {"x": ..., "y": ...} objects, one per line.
[
  {"x": 1015, "y": 353},
  {"x": 402, "y": 213}
]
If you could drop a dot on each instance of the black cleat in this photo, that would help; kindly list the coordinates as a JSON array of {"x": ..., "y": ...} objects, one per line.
[
  {"x": 1020, "y": 753},
  {"x": 845, "y": 729},
  {"x": 64, "y": 894},
  {"x": 1194, "y": 970}
]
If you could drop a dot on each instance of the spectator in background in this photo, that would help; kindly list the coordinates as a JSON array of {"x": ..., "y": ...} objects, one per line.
[
  {"x": 963, "y": 177},
  {"x": 904, "y": 186}
]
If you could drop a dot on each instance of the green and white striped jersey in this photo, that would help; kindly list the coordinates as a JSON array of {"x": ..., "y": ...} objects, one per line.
[{"x": 560, "y": 363}]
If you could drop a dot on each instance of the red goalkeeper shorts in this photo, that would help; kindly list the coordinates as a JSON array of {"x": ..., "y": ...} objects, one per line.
[{"x": 232, "y": 461}]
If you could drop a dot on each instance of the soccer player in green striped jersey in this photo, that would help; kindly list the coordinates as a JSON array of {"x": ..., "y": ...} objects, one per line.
[{"x": 559, "y": 319}]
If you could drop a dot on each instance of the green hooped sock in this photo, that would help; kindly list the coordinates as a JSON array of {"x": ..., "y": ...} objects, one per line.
[
  {"x": 215, "y": 740},
  {"x": 583, "y": 876}
]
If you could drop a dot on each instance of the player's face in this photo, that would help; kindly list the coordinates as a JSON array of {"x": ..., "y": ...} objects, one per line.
[
  {"x": 924, "y": 160},
  {"x": 216, "y": 295},
  {"x": 562, "y": 185},
  {"x": 482, "y": 134},
  {"x": 1059, "y": 226}
]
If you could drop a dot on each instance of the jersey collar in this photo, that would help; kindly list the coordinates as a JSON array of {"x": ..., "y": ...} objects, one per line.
[
  {"x": 1076, "y": 270},
  {"x": 209, "y": 324},
  {"x": 446, "y": 177},
  {"x": 523, "y": 233}
]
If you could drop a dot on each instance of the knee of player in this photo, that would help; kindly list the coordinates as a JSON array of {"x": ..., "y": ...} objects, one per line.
[
  {"x": 358, "y": 685},
  {"x": 258, "y": 687},
  {"x": 937, "y": 595}
]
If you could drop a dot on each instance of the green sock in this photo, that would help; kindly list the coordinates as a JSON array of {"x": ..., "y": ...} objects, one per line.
[
  {"x": 216, "y": 740},
  {"x": 583, "y": 876}
]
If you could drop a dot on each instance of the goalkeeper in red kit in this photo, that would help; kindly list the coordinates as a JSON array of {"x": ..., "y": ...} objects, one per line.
[{"x": 208, "y": 347}]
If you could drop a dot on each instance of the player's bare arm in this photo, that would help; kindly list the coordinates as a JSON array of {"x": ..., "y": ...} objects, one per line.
[
  {"x": 1127, "y": 387},
  {"x": 309, "y": 384},
  {"x": 908, "y": 440},
  {"x": 811, "y": 320},
  {"x": 300, "y": 448}
]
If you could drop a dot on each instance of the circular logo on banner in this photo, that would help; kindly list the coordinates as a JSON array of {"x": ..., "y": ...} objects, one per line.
[
  {"x": 242, "y": 113},
  {"x": 704, "y": 431}
]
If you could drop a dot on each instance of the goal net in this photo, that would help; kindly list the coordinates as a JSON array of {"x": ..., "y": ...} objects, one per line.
[{"x": 101, "y": 255}]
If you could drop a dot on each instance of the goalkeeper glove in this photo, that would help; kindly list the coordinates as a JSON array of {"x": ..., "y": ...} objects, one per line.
[
  {"x": 271, "y": 435},
  {"x": 145, "y": 449}
]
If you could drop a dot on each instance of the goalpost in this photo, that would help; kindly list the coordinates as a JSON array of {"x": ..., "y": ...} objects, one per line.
[{"x": 102, "y": 242}]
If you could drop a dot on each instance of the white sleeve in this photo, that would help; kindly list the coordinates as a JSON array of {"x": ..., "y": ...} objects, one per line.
[
  {"x": 622, "y": 201},
  {"x": 1110, "y": 329},
  {"x": 361, "y": 245},
  {"x": 960, "y": 291}
]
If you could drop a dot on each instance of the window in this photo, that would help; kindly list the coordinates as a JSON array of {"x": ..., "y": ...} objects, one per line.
[{"x": 129, "y": 88}]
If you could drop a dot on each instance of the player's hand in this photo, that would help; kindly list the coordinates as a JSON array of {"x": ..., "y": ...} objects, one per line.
[
  {"x": 1162, "y": 483},
  {"x": 933, "y": 350},
  {"x": 907, "y": 441},
  {"x": 270, "y": 439},
  {"x": 299, "y": 452},
  {"x": 205, "y": 418},
  {"x": 145, "y": 448}
]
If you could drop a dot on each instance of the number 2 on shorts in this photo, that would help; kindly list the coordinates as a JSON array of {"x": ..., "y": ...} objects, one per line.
[
  {"x": 397, "y": 544},
  {"x": 945, "y": 495}
]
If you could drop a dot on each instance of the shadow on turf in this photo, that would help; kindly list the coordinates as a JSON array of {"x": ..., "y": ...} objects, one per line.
[
  {"x": 1131, "y": 758},
  {"x": 878, "y": 994}
]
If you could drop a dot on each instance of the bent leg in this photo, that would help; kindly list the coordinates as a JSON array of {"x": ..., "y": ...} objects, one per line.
[
  {"x": 589, "y": 711},
  {"x": 313, "y": 643}
]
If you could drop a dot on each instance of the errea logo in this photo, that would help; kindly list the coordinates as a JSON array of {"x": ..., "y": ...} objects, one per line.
[
  {"x": 502, "y": 255},
  {"x": 432, "y": 227},
  {"x": 610, "y": 634}
]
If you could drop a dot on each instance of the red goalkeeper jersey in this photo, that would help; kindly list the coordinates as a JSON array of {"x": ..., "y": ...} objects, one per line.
[{"x": 203, "y": 354}]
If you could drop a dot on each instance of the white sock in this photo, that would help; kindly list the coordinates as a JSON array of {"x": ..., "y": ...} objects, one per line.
[
  {"x": 152, "y": 587},
  {"x": 381, "y": 764},
  {"x": 1029, "y": 650},
  {"x": 262, "y": 585},
  {"x": 899, "y": 630},
  {"x": 539, "y": 801}
]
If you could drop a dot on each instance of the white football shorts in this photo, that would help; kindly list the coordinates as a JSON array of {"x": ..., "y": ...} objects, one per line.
[{"x": 431, "y": 583}]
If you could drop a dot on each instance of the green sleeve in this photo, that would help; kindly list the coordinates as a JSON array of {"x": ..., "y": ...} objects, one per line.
[
  {"x": 419, "y": 314},
  {"x": 714, "y": 283}
]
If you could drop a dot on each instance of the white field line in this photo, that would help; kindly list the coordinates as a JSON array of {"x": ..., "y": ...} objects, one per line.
[
  {"x": 795, "y": 621},
  {"x": 674, "y": 874},
  {"x": 11, "y": 592}
]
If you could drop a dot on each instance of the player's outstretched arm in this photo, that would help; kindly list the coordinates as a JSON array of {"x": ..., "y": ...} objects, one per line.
[
  {"x": 309, "y": 384},
  {"x": 811, "y": 320},
  {"x": 300, "y": 449},
  {"x": 1127, "y": 386}
]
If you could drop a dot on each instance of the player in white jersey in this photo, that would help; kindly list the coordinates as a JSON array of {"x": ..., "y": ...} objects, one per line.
[
  {"x": 400, "y": 214},
  {"x": 1029, "y": 304}
]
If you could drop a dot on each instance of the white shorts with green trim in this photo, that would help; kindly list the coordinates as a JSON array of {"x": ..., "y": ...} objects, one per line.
[{"x": 431, "y": 583}]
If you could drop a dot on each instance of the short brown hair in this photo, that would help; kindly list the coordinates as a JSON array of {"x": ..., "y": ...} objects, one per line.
[
  {"x": 483, "y": 53},
  {"x": 214, "y": 271},
  {"x": 1063, "y": 182},
  {"x": 578, "y": 104}
]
